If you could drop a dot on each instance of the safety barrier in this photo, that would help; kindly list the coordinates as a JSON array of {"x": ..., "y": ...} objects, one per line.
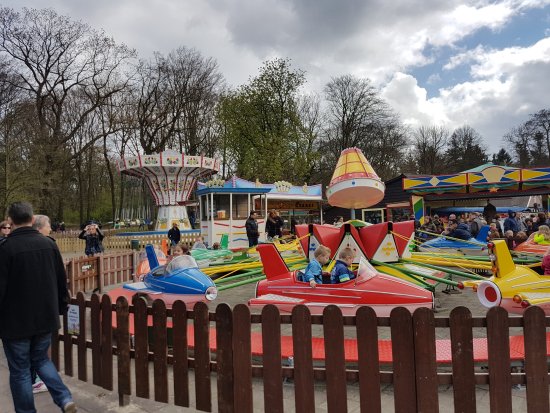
[
  {"x": 414, "y": 372},
  {"x": 112, "y": 242},
  {"x": 89, "y": 274}
]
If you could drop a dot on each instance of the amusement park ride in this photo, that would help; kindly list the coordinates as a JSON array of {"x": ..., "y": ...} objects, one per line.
[
  {"x": 187, "y": 284},
  {"x": 512, "y": 286},
  {"x": 387, "y": 274}
]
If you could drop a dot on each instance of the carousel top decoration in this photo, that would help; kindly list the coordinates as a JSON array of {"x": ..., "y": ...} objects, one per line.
[
  {"x": 170, "y": 175},
  {"x": 354, "y": 183},
  {"x": 486, "y": 178}
]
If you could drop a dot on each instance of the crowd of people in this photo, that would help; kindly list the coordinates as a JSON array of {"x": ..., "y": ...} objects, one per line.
[{"x": 515, "y": 227}]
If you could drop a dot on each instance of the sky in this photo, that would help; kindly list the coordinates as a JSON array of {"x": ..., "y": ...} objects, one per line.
[{"x": 447, "y": 63}]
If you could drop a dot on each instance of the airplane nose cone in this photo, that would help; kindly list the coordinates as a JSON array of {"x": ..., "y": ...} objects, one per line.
[{"x": 489, "y": 294}]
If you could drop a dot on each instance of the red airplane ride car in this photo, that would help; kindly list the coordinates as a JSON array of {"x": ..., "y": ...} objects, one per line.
[{"x": 370, "y": 288}]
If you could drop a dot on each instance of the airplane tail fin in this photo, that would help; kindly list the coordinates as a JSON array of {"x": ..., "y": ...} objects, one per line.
[
  {"x": 224, "y": 242},
  {"x": 482, "y": 234},
  {"x": 273, "y": 263},
  {"x": 151, "y": 256},
  {"x": 503, "y": 259}
]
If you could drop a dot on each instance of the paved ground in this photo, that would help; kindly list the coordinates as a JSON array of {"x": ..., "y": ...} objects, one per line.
[{"x": 93, "y": 399}]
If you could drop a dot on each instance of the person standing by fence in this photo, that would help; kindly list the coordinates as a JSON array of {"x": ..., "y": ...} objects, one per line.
[
  {"x": 33, "y": 294},
  {"x": 93, "y": 237},
  {"x": 174, "y": 235}
]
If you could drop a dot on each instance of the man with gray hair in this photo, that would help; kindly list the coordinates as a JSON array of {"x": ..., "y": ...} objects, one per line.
[
  {"x": 33, "y": 294},
  {"x": 42, "y": 224}
]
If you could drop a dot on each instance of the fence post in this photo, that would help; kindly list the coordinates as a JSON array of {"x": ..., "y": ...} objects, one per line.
[
  {"x": 106, "y": 343},
  {"x": 536, "y": 370},
  {"x": 402, "y": 338},
  {"x": 202, "y": 357},
  {"x": 141, "y": 346},
  {"x": 242, "y": 363},
  {"x": 271, "y": 343},
  {"x": 303, "y": 359},
  {"x": 82, "y": 350},
  {"x": 160, "y": 351},
  {"x": 335, "y": 360},
  {"x": 368, "y": 360},
  {"x": 123, "y": 351},
  {"x": 425, "y": 360},
  {"x": 462, "y": 349},
  {"x": 224, "y": 358},
  {"x": 96, "y": 339},
  {"x": 181, "y": 379},
  {"x": 498, "y": 348},
  {"x": 99, "y": 267}
]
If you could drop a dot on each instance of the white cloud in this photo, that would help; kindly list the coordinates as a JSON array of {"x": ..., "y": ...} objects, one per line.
[
  {"x": 378, "y": 39},
  {"x": 507, "y": 86}
]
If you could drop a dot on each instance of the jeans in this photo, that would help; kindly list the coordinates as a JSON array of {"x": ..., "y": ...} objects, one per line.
[
  {"x": 22, "y": 354},
  {"x": 252, "y": 241}
]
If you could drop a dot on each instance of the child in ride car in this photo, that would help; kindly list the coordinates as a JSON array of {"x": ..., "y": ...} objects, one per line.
[
  {"x": 341, "y": 273},
  {"x": 313, "y": 273}
]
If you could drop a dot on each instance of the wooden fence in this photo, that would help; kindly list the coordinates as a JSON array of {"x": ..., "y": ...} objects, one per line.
[
  {"x": 111, "y": 242},
  {"x": 89, "y": 274},
  {"x": 414, "y": 373}
]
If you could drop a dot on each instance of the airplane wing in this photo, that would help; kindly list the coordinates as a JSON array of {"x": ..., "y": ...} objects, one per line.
[
  {"x": 536, "y": 298},
  {"x": 275, "y": 299},
  {"x": 140, "y": 287}
]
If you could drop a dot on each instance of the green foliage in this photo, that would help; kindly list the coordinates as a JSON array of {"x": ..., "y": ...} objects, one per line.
[{"x": 263, "y": 133}]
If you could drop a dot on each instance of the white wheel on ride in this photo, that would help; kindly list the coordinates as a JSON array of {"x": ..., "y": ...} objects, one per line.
[{"x": 489, "y": 294}]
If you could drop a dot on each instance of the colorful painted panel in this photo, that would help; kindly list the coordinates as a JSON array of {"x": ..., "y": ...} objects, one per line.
[
  {"x": 434, "y": 181},
  {"x": 418, "y": 208},
  {"x": 535, "y": 174},
  {"x": 494, "y": 174}
]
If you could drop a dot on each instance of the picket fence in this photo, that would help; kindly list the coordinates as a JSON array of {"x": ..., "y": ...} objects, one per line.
[{"x": 161, "y": 336}]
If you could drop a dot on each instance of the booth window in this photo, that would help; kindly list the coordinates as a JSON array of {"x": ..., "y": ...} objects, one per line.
[
  {"x": 240, "y": 206},
  {"x": 221, "y": 206}
]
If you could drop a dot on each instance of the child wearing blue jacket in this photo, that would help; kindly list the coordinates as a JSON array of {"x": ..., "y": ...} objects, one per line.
[
  {"x": 313, "y": 273},
  {"x": 341, "y": 273}
]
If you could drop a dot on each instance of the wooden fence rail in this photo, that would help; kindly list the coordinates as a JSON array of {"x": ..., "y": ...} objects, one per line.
[
  {"x": 72, "y": 244},
  {"x": 89, "y": 274},
  {"x": 160, "y": 338}
]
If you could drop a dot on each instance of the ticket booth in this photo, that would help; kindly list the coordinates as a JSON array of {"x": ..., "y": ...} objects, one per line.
[
  {"x": 226, "y": 205},
  {"x": 224, "y": 208}
]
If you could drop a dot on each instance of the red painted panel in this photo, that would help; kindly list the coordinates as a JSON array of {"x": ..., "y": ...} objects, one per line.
[
  {"x": 372, "y": 236},
  {"x": 405, "y": 229},
  {"x": 329, "y": 236}
]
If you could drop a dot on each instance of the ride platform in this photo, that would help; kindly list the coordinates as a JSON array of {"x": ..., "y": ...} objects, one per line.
[{"x": 443, "y": 348}]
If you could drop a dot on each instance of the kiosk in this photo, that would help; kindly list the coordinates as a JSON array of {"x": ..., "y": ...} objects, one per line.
[{"x": 226, "y": 205}]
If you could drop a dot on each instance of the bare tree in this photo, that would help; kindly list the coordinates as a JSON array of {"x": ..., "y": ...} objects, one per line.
[
  {"x": 354, "y": 107},
  {"x": 429, "y": 143},
  {"x": 54, "y": 58},
  {"x": 465, "y": 149},
  {"x": 175, "y": 101}
]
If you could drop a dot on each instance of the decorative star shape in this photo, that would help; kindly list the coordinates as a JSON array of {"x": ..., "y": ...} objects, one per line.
[{"x": 493, "y": 189}]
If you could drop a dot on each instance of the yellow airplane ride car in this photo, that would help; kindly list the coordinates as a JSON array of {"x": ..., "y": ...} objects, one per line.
[{"x": 513, "y": 287}]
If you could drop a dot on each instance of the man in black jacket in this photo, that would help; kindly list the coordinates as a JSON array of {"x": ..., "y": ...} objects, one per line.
[
  {"x": 33, "y": 293},
  {"x": 252, "y": 232}
]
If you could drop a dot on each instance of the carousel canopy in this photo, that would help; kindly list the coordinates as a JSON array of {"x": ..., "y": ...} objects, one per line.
[{"x": 487, "y": 178}]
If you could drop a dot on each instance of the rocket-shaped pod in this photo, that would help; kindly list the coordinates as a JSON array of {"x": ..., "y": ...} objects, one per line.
[{"x": 354, "y": 183}]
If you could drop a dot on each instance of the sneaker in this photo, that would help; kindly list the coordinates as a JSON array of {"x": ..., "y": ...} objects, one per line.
[
  {"x": 69, "y": 407},
  {"x": 39, "y": 387}
]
